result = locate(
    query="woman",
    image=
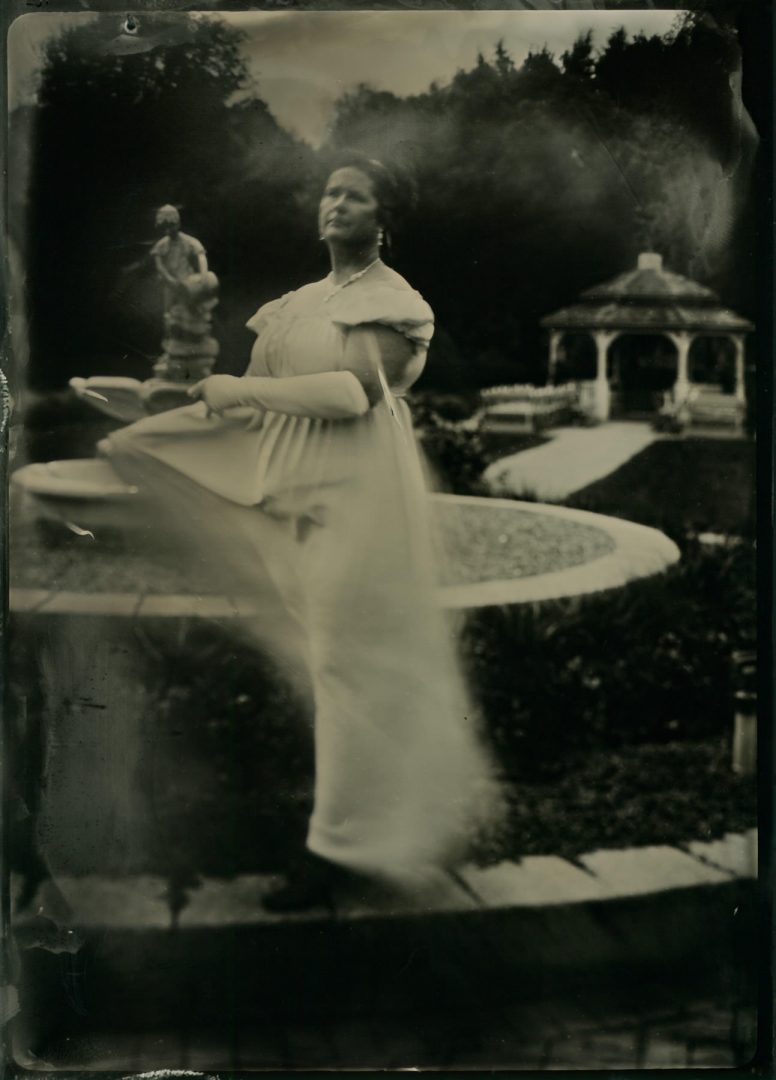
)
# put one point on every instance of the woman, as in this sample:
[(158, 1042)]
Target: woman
[(302, 481)]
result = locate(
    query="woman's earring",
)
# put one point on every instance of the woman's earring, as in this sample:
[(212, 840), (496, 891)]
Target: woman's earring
[(380, 236)]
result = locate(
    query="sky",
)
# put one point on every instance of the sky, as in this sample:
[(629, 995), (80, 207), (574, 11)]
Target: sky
[(302, 61)]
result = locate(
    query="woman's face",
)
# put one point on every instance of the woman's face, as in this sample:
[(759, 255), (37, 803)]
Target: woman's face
[(349, 211)]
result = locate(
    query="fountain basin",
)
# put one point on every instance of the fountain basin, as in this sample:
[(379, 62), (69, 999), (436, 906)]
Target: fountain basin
[(493, 551)]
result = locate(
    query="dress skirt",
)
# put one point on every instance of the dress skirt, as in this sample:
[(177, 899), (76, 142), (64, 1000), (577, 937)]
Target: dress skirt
[(338, 558)]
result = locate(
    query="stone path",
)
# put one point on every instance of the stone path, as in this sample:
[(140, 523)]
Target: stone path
[(536, 881), (573, 458), (537, 964)]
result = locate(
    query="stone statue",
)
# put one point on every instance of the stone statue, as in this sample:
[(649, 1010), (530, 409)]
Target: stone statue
[(190, 293)]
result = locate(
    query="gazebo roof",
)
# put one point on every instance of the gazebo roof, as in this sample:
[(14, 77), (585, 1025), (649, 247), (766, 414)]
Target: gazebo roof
[(650, 299)]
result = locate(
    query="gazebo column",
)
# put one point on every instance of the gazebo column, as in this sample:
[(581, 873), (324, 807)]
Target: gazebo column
[(683, 341), (602, 397), (556, 336), (738, 342)]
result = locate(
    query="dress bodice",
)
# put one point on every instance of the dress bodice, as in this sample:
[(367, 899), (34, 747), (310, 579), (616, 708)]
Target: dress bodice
[(304, 331), (286, 459)]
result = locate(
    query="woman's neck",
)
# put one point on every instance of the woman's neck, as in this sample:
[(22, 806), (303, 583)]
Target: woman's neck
[(347, 261)]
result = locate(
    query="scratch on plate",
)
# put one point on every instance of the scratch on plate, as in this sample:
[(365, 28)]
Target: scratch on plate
[(93, 393), (78, 530)]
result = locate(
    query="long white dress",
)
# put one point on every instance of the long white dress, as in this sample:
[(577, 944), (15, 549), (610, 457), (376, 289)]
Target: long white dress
[(327, 523)]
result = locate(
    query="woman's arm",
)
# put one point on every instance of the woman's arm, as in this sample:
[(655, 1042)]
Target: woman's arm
[(329, 395), (373, 347)]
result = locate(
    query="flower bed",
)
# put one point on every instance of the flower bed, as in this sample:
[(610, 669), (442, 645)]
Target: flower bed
[(525, 407), (527, 393)]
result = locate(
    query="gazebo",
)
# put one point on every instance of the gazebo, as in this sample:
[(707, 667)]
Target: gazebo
[(656, 318)]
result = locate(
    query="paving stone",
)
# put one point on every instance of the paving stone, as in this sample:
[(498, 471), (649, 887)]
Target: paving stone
[(179, 606), (536, 881), (434, 891), (734, 852), (636, 871), (237, 902), (137, 902), (597, 1050), (570, 1052), (663, 1053), (23, 600), (709, 1024), (537, 1020), (117, 1052), (618, 1048), (84, 603), (707, 1056), (242, 607)]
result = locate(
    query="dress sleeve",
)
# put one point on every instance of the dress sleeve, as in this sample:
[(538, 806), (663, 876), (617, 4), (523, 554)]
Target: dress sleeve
[(258, 321), (403, 310)]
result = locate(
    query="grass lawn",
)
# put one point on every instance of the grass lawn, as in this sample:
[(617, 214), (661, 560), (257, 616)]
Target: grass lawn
[(498, 445), (681, 485)]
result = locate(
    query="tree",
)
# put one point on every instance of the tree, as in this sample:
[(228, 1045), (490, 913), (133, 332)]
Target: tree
[(578, 61), (538, 182), (116, 133), (503, 62)]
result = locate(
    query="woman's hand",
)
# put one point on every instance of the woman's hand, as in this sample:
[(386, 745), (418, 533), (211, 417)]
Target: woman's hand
[(218, 392), (223, 394)]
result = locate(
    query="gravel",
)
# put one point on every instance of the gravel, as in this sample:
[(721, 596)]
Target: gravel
[(496, 543)]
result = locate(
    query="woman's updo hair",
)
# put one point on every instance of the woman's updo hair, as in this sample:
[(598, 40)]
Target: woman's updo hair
[(393, 190)]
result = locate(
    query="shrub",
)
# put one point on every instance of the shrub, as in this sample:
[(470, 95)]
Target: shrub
[(646, 663), (456, 454)]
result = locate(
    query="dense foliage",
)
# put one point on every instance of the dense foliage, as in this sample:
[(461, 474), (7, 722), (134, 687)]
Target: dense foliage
[(534, 182), (114, 135), (649, 663)]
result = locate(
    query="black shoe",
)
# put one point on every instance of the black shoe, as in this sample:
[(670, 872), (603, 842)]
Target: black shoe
[(309, 885)]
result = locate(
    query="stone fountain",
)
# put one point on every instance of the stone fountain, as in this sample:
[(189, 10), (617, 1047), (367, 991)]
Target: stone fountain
[(189, 350)]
